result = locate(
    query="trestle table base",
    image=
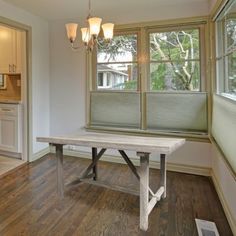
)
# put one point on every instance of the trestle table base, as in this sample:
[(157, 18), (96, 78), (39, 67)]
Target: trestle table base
[(148, 198)]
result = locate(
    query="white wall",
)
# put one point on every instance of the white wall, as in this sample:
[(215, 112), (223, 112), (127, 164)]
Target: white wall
[(40, 69), (211, 4), (118, 13), (226, 186), (68, 83)]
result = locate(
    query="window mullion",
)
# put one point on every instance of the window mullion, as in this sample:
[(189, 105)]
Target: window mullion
[(143, 77)]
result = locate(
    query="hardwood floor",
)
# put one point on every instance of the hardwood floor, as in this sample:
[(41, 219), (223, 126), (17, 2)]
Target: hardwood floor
[(29, 204), (8, 164)]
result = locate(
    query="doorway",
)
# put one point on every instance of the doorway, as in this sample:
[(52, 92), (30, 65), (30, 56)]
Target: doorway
[(19, 78)]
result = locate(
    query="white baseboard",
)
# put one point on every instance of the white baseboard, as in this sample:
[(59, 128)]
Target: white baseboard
[(11, 154), (40, 154), (153, 164), (229, 216)]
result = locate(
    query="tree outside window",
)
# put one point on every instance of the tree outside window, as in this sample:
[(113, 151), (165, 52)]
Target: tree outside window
[(175, 60)]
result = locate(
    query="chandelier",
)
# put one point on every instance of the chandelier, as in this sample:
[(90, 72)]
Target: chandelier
[(89, 33)]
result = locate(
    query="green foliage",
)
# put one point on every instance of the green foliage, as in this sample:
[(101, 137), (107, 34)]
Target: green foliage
[(178, 51), (118, 46), (130, 85)]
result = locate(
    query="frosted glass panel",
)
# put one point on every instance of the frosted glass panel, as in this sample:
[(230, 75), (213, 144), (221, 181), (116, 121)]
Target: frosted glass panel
[(224, 127), (115, 109), (177, 111)]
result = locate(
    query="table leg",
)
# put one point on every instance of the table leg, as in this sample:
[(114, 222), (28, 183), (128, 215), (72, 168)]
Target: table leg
[(60, 181), (163, 173), (94, 155), (144, 191)]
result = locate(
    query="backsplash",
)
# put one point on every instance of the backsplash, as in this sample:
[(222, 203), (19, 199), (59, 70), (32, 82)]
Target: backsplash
[(13, 88)]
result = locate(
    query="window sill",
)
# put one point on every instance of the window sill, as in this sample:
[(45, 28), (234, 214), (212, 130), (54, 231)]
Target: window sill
[(189, 136), (228, 96)]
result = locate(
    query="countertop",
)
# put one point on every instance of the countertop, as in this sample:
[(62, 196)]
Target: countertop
[(10, 101)]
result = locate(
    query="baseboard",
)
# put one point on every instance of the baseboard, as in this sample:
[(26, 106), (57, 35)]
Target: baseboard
[(229, 216), (11, 154), (153, 164), (40, 154)]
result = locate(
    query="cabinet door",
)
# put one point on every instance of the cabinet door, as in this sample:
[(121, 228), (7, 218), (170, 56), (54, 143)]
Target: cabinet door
[(8, 133), (18, 52), (7, 49)]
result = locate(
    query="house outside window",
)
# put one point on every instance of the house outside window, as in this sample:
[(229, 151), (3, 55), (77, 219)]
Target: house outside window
[(118, 59), (100, 79)]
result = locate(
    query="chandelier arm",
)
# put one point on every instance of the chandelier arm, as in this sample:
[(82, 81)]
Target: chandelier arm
[(75, 48), (89, 33)]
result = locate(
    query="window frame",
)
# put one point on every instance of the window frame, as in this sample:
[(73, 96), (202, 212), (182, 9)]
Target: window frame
[(143, 54), (201, 60), (222, 53)]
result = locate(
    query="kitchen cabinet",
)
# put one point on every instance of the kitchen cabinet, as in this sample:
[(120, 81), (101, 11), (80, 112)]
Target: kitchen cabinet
[(10, 128), (10, 48)]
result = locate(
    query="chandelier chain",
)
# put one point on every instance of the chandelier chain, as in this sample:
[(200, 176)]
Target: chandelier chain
[(89, 13)]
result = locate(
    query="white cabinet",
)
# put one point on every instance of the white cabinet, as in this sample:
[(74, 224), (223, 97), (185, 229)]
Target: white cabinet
[(10, 128), (10, 48)]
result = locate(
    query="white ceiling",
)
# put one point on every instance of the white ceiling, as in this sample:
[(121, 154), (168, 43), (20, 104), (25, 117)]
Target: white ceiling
[(71, 9)]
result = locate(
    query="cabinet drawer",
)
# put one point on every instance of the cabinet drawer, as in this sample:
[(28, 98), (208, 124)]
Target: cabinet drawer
[(8, 111)]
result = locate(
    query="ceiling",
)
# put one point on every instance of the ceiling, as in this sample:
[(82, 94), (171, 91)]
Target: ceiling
[(71, 9)]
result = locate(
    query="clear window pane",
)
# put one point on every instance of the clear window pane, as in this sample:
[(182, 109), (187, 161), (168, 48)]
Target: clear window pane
[(174, 45), (100, 79), (231, 34), (175, 76), (232, 73), (118, 76), (122, 48)]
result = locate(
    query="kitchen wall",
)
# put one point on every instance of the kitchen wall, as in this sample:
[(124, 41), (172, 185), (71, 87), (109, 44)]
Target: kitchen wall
[(40, 69), (13, 88)]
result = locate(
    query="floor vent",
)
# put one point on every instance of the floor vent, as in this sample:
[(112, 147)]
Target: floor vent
[(206, 228)]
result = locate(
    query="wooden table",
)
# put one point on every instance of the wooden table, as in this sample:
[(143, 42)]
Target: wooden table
[(143, 146)]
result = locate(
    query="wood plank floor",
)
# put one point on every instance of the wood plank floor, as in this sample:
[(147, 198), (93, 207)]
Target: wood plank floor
[(8, 164), (29, 204)]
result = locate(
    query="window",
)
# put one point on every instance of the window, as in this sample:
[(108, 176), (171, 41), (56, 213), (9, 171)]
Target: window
[(118, 59), (175, 60), (226, 51), (153, 79)]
